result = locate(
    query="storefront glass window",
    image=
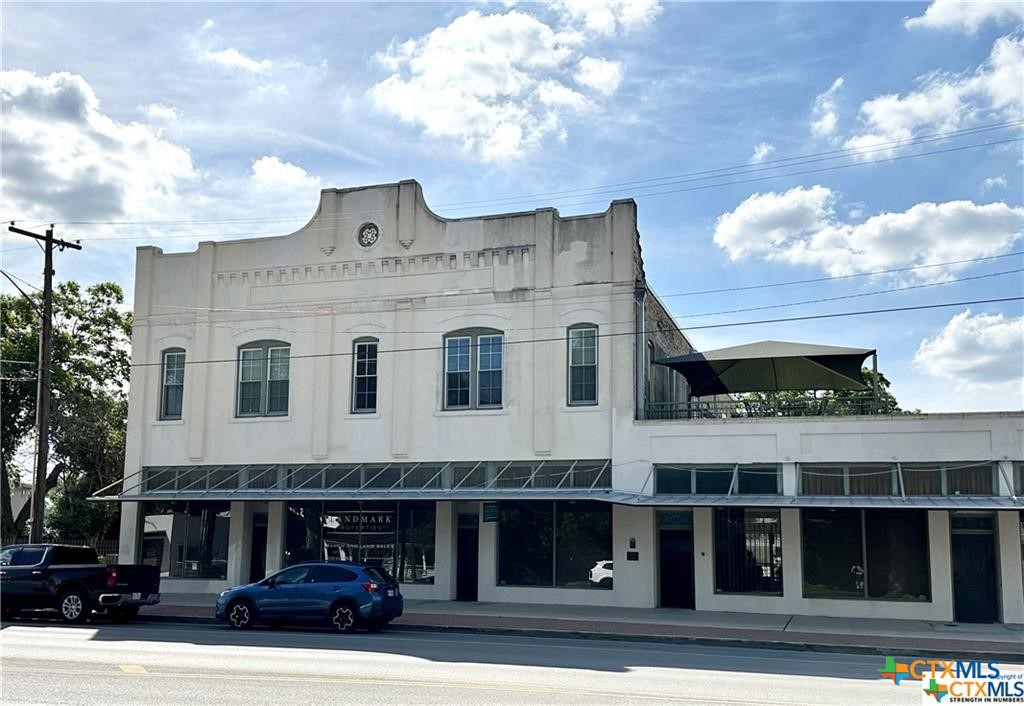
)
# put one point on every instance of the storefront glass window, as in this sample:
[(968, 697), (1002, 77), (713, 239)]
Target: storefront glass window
[(748, 551), (563, 543), (187, 540), (398, 536), (865, 554)]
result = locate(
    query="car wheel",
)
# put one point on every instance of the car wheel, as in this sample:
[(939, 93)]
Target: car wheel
[(240, 615), (124, 613), (343, 618), (73, 606)]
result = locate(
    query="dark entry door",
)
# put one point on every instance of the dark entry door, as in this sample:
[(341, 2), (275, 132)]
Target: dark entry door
[(974, 578), (467, 563), (676, 558)]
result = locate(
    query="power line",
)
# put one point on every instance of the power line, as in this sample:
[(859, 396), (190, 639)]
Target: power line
[(736, 170), (838, 277), (560, 339)]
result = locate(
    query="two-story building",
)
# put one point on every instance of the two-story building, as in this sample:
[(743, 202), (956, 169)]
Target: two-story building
[(477, 404)]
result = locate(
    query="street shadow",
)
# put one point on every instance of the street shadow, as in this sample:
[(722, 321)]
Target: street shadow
[(453, 646)]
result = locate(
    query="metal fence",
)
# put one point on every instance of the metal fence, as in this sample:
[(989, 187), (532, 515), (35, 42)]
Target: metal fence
[(733, 409)]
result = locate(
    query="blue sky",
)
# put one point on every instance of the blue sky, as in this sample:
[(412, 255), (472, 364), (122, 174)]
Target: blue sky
[(166, 124)]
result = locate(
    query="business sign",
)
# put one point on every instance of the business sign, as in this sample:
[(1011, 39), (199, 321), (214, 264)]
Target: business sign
[(490, 512), (361, 521)]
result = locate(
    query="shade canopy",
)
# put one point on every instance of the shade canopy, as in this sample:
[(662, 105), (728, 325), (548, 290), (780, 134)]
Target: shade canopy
[(771, 366)]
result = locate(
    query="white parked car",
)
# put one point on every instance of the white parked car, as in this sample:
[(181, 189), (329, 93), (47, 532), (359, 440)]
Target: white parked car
[(601, 573)]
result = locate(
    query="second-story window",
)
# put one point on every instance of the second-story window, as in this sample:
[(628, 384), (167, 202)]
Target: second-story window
[(583, 365), (263, 375), (473, 369), (172, 386), (364, 377)]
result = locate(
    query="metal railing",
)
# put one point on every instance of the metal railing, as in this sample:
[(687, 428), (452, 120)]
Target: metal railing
[(745, 409)]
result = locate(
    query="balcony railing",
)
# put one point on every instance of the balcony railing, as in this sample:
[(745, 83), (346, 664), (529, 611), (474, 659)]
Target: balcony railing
[(745, 409)]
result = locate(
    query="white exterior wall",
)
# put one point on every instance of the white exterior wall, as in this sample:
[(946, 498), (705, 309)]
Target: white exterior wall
[(530, 275)]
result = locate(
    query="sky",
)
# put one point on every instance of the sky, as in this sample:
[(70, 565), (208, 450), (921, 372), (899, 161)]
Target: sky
[(872, 148)]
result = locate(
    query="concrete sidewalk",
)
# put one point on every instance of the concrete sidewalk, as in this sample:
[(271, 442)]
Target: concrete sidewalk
[(916, 638)]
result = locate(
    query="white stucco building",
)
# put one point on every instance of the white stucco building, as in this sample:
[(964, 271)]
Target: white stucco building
[(467, 402)]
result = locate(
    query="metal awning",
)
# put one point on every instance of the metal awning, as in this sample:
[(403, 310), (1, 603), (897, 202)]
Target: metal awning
[(770, 366), (919, 502)]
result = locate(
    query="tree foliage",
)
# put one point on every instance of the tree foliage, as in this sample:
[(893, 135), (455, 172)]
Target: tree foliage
[(828, 402), (89, 372)]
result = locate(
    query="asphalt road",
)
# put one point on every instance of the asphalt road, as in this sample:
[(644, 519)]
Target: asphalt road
[(47, 663)]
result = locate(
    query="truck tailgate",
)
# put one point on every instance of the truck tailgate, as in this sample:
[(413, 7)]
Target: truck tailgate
[(137, 578)]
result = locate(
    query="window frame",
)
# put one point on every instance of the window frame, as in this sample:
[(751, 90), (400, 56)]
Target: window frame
[(354, 407), (266, 348), (475, 354), (582, 328), (711, 470), (163, 416), (718, 541)]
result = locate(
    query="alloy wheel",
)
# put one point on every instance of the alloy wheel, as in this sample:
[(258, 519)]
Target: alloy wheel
[(343, 618), (240, 616)]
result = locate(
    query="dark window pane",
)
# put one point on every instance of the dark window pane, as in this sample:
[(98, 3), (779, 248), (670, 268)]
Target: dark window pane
[(458, 390), (187, 540), (490, 388), (583, 384), (583, 542), (922, 481), (833, 563), (277, 399), (29, 556), (303, 533), (361, 531), (672, 481), (249, 397), (821, 480), (415, 558), (525, 551), (713, 481), (748, 551), (897, 554), (871, 480), (974, 480), (172, 401), (332, 574), (758, 481)]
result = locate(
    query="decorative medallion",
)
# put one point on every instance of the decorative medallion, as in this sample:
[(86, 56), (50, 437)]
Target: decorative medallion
[(368, 234)]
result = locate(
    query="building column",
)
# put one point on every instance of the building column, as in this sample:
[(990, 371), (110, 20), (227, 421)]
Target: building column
[(635, 582), (703, 558), (445, 550), (792, 560), (487, 558), (239, 543), (790, 479), (128, 540), (1011, 581), (941, 562), (277, 521)]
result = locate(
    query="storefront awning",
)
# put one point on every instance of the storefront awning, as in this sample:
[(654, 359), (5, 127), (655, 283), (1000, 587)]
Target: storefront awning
[(770, 366)]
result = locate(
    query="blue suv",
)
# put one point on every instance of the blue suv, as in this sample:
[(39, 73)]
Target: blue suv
[(343, 595)]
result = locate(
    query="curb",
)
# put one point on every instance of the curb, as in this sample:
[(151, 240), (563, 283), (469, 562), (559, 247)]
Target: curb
[(879, 650)]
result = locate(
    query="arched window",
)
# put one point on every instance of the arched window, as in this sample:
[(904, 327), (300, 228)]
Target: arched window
[(172, 383), (473, 367), (582, 379), (364, 375), (263, 374)]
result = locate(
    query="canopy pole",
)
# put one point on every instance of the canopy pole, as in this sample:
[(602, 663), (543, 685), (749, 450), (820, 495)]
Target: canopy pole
[(874, 380)]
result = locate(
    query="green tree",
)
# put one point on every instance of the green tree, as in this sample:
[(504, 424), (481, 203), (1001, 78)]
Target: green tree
[(827, 402), (90, 368)]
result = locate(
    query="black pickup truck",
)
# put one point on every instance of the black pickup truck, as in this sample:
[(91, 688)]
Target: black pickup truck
[(73, 581)]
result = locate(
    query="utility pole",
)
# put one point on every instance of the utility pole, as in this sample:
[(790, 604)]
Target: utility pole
[(43, 378)]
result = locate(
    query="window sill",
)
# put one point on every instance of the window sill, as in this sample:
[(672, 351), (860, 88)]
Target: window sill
[(260, 419), (168, 422), (486, 412), (361, 415), (582, 408)]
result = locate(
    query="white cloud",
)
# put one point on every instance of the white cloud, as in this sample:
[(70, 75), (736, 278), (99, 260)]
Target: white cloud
[(976, 350), (823, 114), (498, 84), (64, 159), (271, 174), (967, 16), (761, 152), (995, 92), (996, 182), (800, 227), (602, 75), (606, 17), (233, 59), (162, 113), (207, 25)]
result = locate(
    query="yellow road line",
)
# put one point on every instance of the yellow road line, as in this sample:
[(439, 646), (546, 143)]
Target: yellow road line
[(133, 669)]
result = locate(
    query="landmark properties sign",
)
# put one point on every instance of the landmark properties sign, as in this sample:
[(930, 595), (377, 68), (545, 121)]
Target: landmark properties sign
[(362, 521)]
